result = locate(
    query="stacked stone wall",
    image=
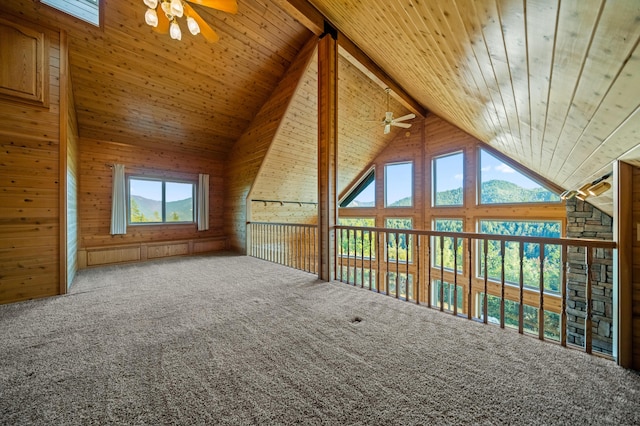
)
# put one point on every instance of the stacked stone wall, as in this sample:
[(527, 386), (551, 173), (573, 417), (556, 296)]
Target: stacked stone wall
[(586, 221)]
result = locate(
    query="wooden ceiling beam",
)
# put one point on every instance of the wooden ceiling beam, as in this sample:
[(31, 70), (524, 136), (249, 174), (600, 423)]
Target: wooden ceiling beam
[(311, 18)]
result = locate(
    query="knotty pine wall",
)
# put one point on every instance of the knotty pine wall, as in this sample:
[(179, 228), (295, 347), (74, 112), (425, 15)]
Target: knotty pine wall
[(97, 246), (29, 179), (245, 160)]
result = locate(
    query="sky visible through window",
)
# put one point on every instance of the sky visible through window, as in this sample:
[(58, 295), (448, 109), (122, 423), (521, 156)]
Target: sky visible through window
[(398, 182), (494, 169), (152, 190)]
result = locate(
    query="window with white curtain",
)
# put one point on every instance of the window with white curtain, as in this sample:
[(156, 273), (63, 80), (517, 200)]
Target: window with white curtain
[(154, 201)]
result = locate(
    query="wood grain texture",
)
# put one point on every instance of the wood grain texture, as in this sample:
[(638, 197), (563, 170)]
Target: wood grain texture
[(635, 273), (29, 188), (135, 86), (553, 85), (248, 154), (94, 207)]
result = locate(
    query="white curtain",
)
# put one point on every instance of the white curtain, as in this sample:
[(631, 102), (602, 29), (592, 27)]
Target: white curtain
[(203, 202), (118, 201)]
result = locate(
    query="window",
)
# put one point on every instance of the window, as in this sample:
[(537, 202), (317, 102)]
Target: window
[(448, 178), (512, 315), (501, 184), (398, 185), (356, 243), (450, 293), (531, 253), (87, 10), (403, 286), (160, 201), (399, 244), (446, 257), (363, 194)]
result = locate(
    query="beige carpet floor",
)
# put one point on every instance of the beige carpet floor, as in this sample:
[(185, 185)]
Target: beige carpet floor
[(236, 340)]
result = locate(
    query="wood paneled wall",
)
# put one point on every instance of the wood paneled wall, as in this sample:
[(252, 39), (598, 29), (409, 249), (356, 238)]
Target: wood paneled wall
[(29, 180), (95, 200), (249, 151), (636, 267)]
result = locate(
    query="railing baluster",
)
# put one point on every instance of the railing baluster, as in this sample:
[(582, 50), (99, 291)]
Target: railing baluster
[(362, 259), (396, 239), (563, 314), (502, 284), (485, 308), (370, 258), (428, 266), (455, 276), (521, 295), (441, 273), (541, 308), (588, 307), (418, 262), (469, 290)]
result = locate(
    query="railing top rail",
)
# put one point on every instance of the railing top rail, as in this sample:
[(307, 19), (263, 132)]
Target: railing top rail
[(302, 225), (493, 237)]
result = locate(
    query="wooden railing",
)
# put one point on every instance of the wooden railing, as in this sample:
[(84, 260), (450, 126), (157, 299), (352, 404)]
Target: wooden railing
[(556, 289), (550, 296), (293, 245)]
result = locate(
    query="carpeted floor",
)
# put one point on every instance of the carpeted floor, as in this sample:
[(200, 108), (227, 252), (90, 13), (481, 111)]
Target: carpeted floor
[(236, 340)]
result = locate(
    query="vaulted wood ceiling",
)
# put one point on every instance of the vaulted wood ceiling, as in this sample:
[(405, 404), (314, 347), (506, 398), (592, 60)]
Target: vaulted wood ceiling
[(554, 85)]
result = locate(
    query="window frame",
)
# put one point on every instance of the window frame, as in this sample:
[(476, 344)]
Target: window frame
[(410, 240), (413, 195), (461, 265), (518, 169), (99, 4), (363, 183), (164, 181), (478, 259), (434, 179)]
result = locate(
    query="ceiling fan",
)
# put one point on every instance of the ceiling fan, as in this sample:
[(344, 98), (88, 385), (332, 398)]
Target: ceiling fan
[(389, 121), (162, 16)]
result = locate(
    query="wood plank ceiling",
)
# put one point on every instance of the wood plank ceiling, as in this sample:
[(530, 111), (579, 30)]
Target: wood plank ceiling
[(135, 86), (554, 85)]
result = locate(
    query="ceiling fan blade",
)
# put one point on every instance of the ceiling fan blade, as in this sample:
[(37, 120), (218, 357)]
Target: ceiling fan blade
[(163, 22), (387, 128), (403, 125), (230, 6), (206, 31), (405, 117)]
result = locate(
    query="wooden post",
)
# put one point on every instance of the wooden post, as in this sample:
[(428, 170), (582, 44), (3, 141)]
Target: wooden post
[(327, 152), (624, 236)]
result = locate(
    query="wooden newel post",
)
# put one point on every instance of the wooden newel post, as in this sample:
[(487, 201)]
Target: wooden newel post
[(327, 152)]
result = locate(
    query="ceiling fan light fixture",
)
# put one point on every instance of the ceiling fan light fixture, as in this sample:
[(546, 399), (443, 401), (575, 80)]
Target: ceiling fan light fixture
[(583, 189), (174, 31), (151, 4), (194, 28), (151, 17), (599, 188), (176, 8)]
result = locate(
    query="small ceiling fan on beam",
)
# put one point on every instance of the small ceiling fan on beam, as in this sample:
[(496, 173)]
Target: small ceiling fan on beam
[(389, 121), (163, 16)]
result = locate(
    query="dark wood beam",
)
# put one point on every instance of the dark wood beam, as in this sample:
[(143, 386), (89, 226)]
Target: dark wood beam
[(327, 155)]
